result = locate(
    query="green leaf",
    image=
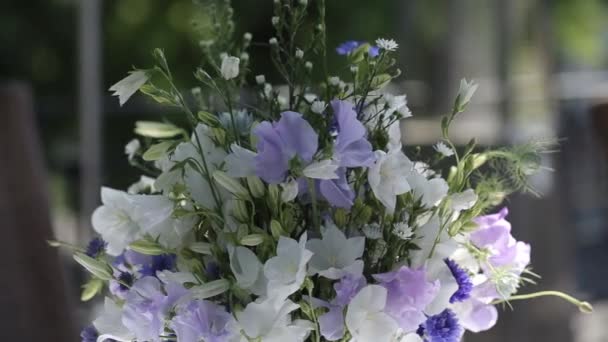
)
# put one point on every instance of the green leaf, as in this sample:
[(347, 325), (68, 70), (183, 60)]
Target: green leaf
[(96, 267), (358, 55), (252, 240), (147, 247), (158, 151), (208, 119), (92, 288), (210, 289), (200, 248), (232, 185), (157, 130), (380, 81)]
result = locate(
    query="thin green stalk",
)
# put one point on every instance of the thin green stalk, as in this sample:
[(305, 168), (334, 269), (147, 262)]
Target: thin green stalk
[(584, 307), (313, 196)]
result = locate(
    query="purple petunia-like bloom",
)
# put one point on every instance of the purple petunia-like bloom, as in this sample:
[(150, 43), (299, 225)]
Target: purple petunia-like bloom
[(280, 142), (408, 294), (465, 286), (349, 46), (351, 149), (443, 327), (494, 234), (202, 320), (147, 305)]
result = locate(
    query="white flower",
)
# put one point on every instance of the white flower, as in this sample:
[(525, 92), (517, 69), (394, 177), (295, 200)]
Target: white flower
[(145, 184), (114, 220), (365, 317), (248, 270), (430, 191), (299, 54), (131, 148), (394, 137), (387, 44), (196, 183), (354, 69), (109, 324), (411, 337), (274, 21), (308, 65), (269, 320), (397, 104), (240, 163), (244, 56), (267, 89), (324, 169), (273, 41), (154, 214), (372, 231), (335, 255), (334, 81), (403, 231), (260, 79), (290, 190), (466, 91), (388, 177), (230, 67), (247, 36), (430, 236), (286, 271), (129, 85), (441, 273), (318, 107), (303, 2), (463, 200), (442, 148)]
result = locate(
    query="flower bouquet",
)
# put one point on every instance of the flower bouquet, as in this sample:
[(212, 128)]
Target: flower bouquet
[(293, 213)]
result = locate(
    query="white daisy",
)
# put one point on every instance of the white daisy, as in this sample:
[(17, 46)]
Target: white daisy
[(442, 148), (387, 44)]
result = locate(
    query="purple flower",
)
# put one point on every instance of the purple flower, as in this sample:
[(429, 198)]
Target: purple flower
[(331, 323), (280, 142), (201, 320), (347, 288), (443, 327), (349, 46), (494, 235), (351, 149), (95, 247), (89, 334), (147, 305), (408, 295), (157, 263), (465, 286), (120, 288)]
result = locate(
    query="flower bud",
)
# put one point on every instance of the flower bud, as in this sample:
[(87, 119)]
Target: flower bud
[(252, 240), (260, 79), (299, 54), (256, 186), (230, 67), (241, 212), (147, 247)]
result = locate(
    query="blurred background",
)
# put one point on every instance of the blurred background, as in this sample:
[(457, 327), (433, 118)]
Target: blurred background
[(543, 73)]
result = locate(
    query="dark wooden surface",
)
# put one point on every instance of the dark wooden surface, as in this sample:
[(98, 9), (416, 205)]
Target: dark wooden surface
[(33, 300)]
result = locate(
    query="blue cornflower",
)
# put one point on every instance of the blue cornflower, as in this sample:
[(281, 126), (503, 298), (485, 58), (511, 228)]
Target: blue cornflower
[(159, 263), (465, 286), (349, 46), (443, 327), (89, 334), (126, 280), (95, 247)]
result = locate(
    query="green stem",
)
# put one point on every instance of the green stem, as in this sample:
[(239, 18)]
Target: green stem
[(584, 307), (315, 210)]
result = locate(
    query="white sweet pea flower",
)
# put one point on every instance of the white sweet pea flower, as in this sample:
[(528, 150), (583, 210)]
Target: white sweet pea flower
[(388, 177), (323, 169), (115, 220), (290, 190), (230, 67), (466, 91), (365, 317), (335, 255), (269, 320), (129, 85), (248, 270), (109, 324), (442, 148), (131, 148), (286, 271), (240, 163)]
